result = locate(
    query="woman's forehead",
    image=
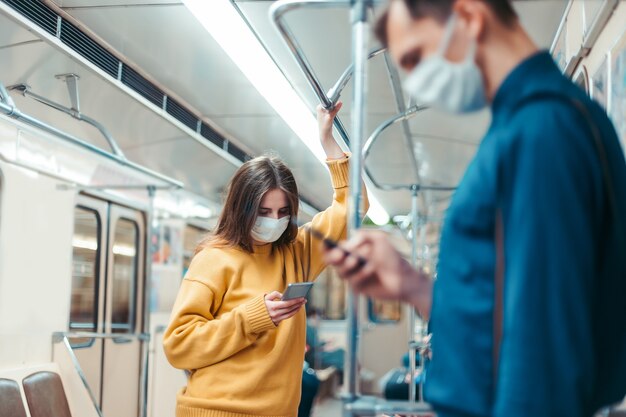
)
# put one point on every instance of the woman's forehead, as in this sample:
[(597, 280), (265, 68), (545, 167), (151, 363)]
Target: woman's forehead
[(275, 198)]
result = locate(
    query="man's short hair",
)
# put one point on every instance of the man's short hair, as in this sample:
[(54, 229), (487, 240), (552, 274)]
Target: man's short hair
[(441, 10)]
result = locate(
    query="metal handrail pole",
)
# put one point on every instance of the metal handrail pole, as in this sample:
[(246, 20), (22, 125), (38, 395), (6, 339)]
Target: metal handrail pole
[(342, 131), (105, 132), (60, 337), (15, 113), (25, 90), (424, 328), (146, 306), (335, 91), (277, 11), (412, 350), (401, 107), (360, 32), (410, 112), (143, 337), (6, 97)]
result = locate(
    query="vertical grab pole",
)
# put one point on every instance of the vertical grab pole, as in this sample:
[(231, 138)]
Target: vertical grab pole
[(412, 341), (424, 324), (360, 32), (146, 306)]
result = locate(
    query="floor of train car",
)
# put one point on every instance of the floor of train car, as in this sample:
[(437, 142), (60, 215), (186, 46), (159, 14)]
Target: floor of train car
[(327, 407)]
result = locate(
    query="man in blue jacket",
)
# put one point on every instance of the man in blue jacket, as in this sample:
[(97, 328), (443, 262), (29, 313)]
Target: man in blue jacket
[(529, 307)]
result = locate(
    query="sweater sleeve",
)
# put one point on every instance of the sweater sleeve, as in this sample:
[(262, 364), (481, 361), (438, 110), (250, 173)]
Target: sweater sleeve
[(331, 222), (195, 337), (552, 187)]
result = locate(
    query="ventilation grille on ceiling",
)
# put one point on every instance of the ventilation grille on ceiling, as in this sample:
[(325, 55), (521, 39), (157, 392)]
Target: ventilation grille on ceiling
[(181, 113), (145, 88), (37, 12), (207, 132), (237, 152), (88, 48)]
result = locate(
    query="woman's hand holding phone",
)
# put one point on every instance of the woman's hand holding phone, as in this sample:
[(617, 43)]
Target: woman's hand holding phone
[(282, 310)]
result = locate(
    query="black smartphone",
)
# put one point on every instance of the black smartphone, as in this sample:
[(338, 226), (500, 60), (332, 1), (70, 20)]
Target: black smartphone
[(331, 244)]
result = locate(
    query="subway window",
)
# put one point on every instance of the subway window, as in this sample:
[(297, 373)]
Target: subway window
[(192, 236), (384, 311), (328, 296), (85, 267), (124, 277)]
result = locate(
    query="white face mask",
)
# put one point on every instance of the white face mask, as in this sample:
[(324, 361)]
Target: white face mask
[(448, 86), (268, 230)]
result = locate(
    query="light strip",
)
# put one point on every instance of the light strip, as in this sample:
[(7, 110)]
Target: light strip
[(228, 29), (92, 244)]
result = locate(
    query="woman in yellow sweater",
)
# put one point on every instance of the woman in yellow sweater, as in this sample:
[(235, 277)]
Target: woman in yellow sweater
[(243, 346)]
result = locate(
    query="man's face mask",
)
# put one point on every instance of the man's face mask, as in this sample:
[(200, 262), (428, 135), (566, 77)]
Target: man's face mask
[(448, 86), (268, 230)]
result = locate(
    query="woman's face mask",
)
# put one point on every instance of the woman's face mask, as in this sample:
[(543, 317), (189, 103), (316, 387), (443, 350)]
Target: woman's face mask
[(448, 86), (268, 230)]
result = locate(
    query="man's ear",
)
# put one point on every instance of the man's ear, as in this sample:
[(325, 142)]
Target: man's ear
[(474, 15)]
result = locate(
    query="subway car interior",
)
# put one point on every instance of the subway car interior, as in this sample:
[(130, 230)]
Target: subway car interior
[(121, 124)]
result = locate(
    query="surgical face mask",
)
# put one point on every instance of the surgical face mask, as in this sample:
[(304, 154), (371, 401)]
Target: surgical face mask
[(268, 230), (448, 86)]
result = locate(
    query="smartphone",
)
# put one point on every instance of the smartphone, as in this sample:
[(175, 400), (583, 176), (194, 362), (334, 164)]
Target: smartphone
[(297, 290), (331, 244)]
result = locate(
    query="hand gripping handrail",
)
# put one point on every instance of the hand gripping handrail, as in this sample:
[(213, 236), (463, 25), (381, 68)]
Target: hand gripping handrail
[(327, 100), (335, 91)]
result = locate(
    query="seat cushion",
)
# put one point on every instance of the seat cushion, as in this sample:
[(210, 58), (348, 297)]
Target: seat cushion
[(11, 404), (45, 395)]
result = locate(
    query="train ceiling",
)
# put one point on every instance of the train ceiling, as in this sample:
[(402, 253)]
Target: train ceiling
[(165, 41)]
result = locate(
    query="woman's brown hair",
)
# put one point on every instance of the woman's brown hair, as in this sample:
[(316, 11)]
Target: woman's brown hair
[(243, 198)]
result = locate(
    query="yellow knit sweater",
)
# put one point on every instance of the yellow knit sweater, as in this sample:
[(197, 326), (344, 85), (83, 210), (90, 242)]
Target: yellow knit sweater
[(241, 363)]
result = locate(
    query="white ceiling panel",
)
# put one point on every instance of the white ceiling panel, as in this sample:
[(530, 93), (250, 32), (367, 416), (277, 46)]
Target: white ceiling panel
[(187, 161), (11, 36)]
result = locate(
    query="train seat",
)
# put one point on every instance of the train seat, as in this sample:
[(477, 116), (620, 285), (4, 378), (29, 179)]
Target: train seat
[(45, 395), (12, 404)]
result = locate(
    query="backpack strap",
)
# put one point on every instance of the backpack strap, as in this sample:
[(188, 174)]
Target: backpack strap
[(498, 305)]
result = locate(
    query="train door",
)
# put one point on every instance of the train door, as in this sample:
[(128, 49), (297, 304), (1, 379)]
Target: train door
[(87, 300), (107, 288), (121, 362)]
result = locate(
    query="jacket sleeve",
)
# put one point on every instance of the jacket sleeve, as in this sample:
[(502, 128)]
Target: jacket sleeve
[(552, 208), (331, 222), (195, 337)]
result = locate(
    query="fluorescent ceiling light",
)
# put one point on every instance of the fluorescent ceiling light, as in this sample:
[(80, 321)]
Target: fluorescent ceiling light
[(229, 30)]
